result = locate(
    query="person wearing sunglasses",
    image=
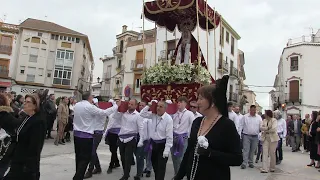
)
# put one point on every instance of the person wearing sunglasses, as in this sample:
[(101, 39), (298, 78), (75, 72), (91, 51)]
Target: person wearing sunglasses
[(194, 109)]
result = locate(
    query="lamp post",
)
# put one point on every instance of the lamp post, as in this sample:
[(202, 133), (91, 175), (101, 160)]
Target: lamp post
[(98, 79)]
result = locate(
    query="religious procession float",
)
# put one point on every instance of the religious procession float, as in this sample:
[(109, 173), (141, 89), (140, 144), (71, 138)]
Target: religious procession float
[(187, 70)]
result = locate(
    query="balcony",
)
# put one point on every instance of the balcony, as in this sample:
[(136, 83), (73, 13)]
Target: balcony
[(223, 66), (107, 76), (4, 73), (303, 40), (234, 72), (135, 66), (233, 97), (120, 68), (4, 49), (294, 68), (117, 51), (293, 98)]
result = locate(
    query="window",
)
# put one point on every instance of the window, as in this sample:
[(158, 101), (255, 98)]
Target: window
[(66, 45), (227, 36), (31, 74), (77, 40), (4, 70), (171, 46), (72, 39), (22, 69), (121, 47), (27, 40), (33, 54), (35, 40), (69, 38), (62, 76), (40, 71), (84, 45), (49, 73), (232, 45), (65, 38), (57, 37), (53, 36), (222, 37), (137, 83), (65, 58), (139, 59), (294, 64), (25, 49), (39, 34), (61, 37), (6, 44)]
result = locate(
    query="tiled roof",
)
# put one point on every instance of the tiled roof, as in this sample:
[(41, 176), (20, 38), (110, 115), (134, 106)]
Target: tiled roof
[(47, 26)]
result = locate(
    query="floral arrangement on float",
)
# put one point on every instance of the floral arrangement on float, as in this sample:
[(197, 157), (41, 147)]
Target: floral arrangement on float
[(163, 74), (164, 81)]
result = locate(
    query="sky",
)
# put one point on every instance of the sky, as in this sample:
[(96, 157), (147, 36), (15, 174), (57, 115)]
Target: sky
[(264, 26)]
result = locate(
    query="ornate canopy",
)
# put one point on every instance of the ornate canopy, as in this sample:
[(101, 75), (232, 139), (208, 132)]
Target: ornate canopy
[(172, 13)]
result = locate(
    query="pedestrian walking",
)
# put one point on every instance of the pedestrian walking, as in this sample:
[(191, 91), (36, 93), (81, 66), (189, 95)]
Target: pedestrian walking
[(294, 130), (282, 133), (62, 119)]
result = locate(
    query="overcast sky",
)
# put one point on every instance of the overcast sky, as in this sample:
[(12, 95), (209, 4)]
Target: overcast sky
[(264, 25)]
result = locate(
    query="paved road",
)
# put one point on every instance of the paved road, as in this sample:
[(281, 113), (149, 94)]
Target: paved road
[(58, 163)]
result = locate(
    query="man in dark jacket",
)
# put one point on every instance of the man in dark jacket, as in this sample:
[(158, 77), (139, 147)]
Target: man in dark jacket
[(294, 131), (51, 113)]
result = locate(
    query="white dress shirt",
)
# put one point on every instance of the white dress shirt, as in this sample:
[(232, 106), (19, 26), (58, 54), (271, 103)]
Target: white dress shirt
[(237, 122), (99, 122), (146, 129), (196, 115), (282, 127), (161, 127), (113, 122), (84, 113), (182, 121), (250, 125), (131, 123)]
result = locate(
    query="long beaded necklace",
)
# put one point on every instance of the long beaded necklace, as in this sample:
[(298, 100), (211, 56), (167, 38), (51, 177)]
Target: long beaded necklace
[(196, 155)]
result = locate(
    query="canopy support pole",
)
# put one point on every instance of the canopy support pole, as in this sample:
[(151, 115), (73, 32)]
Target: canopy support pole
[(215, 46), (143, 50), (198, 35), (155, 43), (207, 34)]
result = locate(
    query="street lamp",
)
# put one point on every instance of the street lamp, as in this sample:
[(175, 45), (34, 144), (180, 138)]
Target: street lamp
[(98, 79)]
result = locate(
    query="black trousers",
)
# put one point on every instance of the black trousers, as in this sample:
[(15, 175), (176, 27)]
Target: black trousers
[(83, 150), (113, 147), (305, 142), (159, 163), (95, 163), (18, 172), (279, 152), (50, 122), (126, 153)]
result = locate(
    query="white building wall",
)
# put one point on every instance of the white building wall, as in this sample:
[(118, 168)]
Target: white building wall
[(105, 87), (308, 70)]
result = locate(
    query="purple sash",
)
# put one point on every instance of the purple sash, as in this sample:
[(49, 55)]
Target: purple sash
[(113, 131), (98, 132), (178, 143), (81, 134)]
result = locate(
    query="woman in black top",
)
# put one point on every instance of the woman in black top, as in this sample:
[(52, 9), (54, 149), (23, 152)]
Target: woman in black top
[(30, 134), (314, 156), (223, 148)]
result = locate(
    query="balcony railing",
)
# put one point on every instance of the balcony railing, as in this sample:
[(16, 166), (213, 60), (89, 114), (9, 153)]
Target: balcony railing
[(4, 49), (135, 65), (233, 97), (4, 73), (291, 97), (223, 65), (303, 39), (107, 76), (234, 72)]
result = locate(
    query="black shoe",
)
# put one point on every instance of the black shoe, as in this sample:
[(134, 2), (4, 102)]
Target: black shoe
[(251, 166), (133, 163), (243, 166), (68, 140), (136, 178), (96, 171), (278, 162), (60, 142), (87, 175), (109, 171), (257, 160), (63, 141), (148, 173), (50, 137), (116, 165)]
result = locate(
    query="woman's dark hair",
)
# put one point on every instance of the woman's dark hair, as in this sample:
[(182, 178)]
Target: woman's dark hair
[(263, 116), (4, 100), (314, 115), (216, 94), (18, 98), (269, 113)]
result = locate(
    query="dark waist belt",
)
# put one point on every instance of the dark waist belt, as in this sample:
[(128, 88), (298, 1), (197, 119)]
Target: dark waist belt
[(250, 135)]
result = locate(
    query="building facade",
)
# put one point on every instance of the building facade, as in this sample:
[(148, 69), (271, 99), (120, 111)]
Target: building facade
[(295, 87), (222, 61), (125, 67), (8, 43), (50, 56), (250, 99)]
